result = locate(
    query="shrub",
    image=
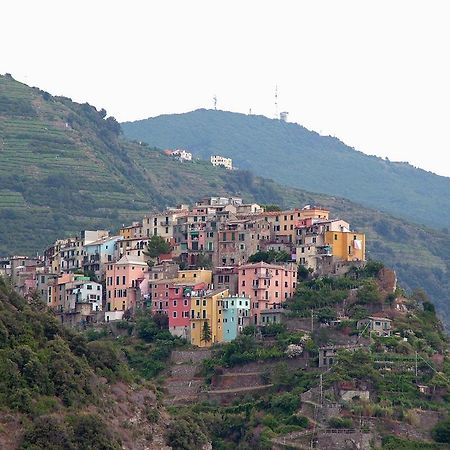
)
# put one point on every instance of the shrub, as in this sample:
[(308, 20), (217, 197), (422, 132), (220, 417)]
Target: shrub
[(286, 403), (441, 432), (340, 422), (185, 434)]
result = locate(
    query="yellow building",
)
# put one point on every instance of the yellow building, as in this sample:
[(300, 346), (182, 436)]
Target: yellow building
[(348, 246), (283, 223), (195, 276), (208, 309), (131, 232), (314, 212)]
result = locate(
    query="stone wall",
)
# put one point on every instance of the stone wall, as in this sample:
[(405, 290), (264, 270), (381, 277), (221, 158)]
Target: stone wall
[(343, 440)]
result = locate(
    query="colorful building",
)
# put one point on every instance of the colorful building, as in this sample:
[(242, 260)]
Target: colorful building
[(236, 316), (347, 245), (207, 308), (122, 280), (179, 309), (98, 254), (267, 285)]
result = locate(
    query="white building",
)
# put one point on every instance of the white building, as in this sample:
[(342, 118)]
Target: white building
[(217, 160), (88, 292), (182, 155)]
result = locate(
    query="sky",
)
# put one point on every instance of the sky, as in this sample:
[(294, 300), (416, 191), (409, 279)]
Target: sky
[(375, 74)]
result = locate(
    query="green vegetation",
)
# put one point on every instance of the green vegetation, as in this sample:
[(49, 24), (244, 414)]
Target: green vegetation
[(270, 257), (206, 332), (51, 375), (396, 443), (157, 246), (441, 432), (66, 169), (77, 432), (282, 151)]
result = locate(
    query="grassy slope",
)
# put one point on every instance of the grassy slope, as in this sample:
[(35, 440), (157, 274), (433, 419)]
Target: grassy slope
[(316, 163), (99, 180)]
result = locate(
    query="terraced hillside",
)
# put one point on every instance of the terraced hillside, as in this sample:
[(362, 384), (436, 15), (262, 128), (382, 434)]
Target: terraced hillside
[(65, 167)]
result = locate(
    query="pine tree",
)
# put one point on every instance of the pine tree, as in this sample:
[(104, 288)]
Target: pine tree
[(206, 332)]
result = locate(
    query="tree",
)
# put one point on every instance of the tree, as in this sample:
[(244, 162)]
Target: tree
[(302, 273), (326, 315), (206, 332), (270, 256), (157, 246), (441, 432), (203, 261), (271, 208)]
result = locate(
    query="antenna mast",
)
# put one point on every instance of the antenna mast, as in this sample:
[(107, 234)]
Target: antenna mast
[(276, 101), (215, 101)]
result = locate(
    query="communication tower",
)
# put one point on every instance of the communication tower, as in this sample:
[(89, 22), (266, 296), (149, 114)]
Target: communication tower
[(276, 101)]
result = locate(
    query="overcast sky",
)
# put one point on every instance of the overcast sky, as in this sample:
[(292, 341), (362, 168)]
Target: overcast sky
[(375, 74)]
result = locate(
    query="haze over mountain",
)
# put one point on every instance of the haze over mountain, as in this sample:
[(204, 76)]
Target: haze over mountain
[(64, 167), (293, 155)]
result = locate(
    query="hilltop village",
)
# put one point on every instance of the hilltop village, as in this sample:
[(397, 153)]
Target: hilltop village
[(212, 268), (250, 315)]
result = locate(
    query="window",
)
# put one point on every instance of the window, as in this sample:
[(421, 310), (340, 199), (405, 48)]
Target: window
[(175, 303), (174, 314), (89, 287), (243, 283), (335, 237)]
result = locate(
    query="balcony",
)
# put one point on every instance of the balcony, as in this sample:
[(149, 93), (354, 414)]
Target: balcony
[(91, 259), (198, 317), (326, 250), (266, 275)]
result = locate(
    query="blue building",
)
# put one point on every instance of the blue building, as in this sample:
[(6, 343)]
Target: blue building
[(236, 316), (99, 253)]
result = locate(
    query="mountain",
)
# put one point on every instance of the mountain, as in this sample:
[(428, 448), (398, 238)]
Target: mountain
[(64, 167), (295, 156)]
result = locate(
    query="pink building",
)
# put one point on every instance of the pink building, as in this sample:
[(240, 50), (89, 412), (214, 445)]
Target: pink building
[(122, 281), (267, 285), (160, 295), (180, 307), (173, 298)]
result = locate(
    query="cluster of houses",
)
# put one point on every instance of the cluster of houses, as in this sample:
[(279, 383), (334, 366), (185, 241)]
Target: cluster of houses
[(206, 285), (186, 156)]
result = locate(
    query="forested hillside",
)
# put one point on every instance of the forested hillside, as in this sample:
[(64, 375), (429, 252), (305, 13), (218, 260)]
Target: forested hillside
[(295, 156), (64, 167)]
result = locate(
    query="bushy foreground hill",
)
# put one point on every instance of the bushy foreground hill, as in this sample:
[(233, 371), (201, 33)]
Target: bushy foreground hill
[(60, 389), (115, 387), (64, 167), (295, 156)]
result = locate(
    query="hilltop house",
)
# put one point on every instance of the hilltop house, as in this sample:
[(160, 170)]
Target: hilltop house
[(217, 160)]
